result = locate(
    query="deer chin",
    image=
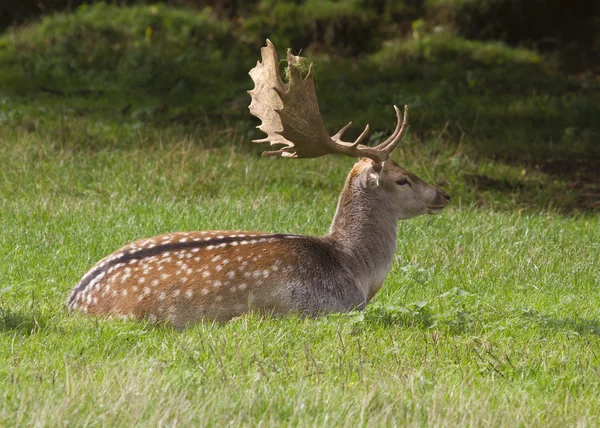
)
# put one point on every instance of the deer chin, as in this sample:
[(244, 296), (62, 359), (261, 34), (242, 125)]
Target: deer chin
[(433, 210)]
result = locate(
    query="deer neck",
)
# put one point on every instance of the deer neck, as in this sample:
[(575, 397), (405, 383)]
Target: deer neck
[(364, 229)]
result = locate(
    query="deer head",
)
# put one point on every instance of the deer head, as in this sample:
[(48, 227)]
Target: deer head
[(406, 194), (291, 118)]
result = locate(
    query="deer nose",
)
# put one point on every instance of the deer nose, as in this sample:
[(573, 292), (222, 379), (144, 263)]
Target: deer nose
[(445, 195)]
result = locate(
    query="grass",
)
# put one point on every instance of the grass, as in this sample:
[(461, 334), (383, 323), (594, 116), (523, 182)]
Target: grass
[(489, 315)]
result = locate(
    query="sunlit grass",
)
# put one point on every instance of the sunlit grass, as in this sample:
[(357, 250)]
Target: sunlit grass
[(488, 316)]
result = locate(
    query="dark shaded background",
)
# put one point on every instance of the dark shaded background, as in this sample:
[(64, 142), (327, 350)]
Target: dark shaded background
[(570, 29)]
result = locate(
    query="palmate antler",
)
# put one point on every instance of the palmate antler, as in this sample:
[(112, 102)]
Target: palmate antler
[(290, 114)]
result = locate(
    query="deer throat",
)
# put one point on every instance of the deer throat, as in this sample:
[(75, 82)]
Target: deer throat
[(364, 231)]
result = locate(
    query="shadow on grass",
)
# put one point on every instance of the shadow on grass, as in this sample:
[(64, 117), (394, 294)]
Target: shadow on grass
[(581, 176), (579, 326), (568, 194), (20, 322), (460, 320)]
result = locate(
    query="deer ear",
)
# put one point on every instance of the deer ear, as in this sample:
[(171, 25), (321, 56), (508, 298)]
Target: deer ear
[(372, 179), (374, 175)]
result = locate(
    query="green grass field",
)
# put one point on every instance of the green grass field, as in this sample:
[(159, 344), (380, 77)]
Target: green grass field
[(489, 317)]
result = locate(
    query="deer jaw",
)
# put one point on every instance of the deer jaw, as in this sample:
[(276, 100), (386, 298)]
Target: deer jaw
[(375, 197)]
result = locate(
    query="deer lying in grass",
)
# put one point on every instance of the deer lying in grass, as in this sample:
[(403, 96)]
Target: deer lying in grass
[(181, 278)]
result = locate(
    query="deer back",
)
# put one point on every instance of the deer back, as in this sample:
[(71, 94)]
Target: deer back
[(185, 277)]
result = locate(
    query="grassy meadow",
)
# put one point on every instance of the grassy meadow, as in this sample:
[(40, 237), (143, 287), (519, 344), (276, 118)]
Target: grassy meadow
[(489, 317)]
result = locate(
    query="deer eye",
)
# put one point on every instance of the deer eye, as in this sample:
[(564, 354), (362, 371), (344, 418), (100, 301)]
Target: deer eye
[(402, 182)]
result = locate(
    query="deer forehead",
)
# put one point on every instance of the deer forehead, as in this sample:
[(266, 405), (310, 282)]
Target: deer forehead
[(392, 171), (387, 170)]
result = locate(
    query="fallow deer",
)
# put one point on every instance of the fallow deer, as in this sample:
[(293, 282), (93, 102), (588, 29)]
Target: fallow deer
[(182, 278)]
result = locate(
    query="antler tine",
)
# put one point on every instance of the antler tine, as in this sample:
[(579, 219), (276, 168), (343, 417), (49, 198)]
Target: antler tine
[(378, 153), (401, 126), (337, 138), (385, 143), (280, 152), (338, 135), (361, 136)]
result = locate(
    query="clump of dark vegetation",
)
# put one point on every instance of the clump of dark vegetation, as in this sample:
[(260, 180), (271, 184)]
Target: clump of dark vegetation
[(163, 55), (345, 26), (569, 29)]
